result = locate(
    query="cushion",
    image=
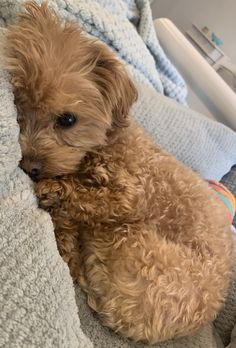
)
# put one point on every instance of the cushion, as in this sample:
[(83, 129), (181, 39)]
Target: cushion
[(207, 146)]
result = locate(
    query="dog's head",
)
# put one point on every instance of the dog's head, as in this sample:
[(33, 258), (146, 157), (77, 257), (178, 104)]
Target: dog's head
[(69, 91)]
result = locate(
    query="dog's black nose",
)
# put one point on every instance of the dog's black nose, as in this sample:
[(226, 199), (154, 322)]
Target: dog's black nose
[(31, 167), (35, 172)]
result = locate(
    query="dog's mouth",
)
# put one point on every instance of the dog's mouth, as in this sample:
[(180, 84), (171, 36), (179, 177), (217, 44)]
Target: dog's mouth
[(34, 176), (44, 177), (37, 174), (38, 178)]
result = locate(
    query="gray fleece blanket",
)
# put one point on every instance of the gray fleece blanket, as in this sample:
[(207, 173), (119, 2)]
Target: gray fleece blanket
[(39, 306)]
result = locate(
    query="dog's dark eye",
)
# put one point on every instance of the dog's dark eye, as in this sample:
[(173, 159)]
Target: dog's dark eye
[(66, 120)]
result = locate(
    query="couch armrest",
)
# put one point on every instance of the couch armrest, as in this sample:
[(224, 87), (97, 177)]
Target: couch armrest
[(199, 75)]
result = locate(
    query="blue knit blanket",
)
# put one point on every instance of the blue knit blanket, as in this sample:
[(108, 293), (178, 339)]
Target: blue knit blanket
[(127, 27)]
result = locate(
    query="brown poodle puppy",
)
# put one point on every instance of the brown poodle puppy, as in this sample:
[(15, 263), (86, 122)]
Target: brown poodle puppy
[(145, 237)]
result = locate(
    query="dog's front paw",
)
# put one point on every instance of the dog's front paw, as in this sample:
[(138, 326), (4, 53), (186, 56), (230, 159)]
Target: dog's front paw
[(49, 193), (49, 201)]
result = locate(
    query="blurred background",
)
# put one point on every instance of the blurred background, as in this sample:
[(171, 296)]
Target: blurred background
[(209, 26)]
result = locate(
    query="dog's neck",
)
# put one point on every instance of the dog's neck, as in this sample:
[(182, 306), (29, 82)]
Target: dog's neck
[(117, 142)]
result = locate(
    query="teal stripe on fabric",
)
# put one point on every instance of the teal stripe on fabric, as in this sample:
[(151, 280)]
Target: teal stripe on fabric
[(227, 203)]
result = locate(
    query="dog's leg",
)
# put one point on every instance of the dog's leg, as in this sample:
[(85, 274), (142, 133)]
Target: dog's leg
[(52, 195)]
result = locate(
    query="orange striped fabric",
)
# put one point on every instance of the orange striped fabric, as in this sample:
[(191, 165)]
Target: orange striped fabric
[(226, 197)]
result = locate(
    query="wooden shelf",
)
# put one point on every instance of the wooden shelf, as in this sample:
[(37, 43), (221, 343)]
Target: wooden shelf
[(204, 45)]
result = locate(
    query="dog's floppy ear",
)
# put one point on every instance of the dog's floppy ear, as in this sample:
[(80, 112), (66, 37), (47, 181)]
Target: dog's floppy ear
[(114, 84)]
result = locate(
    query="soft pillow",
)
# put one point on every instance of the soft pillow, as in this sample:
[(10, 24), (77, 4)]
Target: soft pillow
[(206, 146)]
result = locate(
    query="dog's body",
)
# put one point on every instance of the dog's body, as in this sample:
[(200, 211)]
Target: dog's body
[(144, 236)]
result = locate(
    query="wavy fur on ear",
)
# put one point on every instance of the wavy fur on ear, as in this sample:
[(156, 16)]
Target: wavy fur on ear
[(115, 85)]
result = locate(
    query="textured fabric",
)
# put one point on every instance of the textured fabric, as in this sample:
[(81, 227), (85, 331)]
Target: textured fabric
[(37, 303), (226, 197), (206, 146), (127, 27)]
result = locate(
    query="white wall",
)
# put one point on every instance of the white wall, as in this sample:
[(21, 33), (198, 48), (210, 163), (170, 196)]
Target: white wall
[(218, 15)]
